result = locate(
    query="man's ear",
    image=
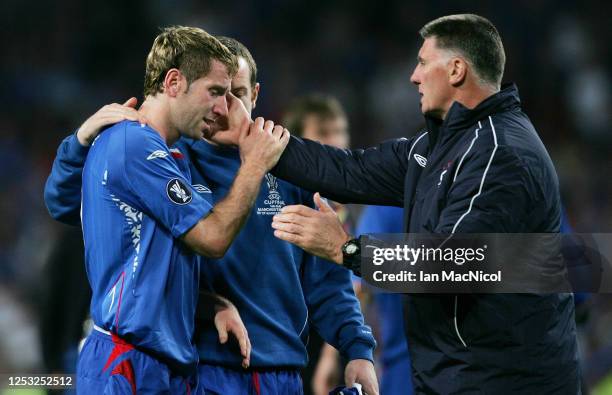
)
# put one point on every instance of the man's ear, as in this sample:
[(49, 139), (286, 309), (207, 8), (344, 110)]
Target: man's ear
[(457, 71), (174, 82), (255, 94)]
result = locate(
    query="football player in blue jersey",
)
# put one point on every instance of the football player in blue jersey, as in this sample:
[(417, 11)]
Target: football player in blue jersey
[(279, 290), (143, 221)]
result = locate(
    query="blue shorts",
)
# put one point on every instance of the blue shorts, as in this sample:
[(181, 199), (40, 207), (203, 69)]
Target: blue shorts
[(217, 380), (110, 366)]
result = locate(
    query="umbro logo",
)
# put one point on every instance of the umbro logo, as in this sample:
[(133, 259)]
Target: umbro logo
[(201, 188), (157, 154), (421, 160)]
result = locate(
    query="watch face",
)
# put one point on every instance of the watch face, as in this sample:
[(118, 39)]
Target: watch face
[(351, 249)]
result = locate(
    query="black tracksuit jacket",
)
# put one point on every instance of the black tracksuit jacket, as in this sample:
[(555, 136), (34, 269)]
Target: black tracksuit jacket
[(483, 170)]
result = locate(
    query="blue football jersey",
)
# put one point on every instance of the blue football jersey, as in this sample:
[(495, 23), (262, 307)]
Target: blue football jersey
[(137, 202)]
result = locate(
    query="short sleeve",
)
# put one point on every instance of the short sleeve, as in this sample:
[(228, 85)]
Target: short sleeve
[(153, 176)]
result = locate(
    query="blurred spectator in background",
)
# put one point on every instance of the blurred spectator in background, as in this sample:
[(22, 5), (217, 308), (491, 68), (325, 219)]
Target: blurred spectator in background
[(318, 117)]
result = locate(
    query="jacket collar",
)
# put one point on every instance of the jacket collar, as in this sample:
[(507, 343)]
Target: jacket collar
[(460, 117)]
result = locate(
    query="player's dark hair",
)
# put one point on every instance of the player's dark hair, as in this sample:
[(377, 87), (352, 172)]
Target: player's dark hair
[(475, 38), (323, 106), (239, 50)]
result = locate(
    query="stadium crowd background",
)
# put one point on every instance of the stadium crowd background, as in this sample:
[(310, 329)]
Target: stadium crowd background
[(62, 60)]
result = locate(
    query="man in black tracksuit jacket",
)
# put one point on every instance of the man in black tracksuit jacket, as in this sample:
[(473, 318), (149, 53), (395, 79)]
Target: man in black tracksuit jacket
[(479, 170)]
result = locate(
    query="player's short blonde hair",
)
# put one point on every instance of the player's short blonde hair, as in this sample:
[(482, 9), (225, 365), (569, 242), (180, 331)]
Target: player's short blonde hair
[(189, 49)]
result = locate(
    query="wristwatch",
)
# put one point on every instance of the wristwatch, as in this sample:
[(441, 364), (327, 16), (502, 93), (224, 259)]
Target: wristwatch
[(351, 256)]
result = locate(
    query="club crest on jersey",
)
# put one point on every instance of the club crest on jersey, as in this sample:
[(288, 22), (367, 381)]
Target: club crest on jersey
[(421, 160), (178, 192), (274, 203)]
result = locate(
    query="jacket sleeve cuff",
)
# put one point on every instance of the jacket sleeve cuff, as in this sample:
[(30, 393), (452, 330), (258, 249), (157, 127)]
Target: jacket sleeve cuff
[(74, 149), (360, 350)]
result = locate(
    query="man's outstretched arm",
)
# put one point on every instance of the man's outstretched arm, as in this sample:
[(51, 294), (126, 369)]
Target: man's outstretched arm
[(371, 176)]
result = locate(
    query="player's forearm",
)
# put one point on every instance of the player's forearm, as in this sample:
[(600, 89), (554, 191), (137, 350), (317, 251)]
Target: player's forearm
[(230, 214)]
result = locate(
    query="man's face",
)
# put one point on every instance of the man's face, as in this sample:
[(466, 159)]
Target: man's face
[(243, 90), (431, 76), (198, 107), (331, 131)]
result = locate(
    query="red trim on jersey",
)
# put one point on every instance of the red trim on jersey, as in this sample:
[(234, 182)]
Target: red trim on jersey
[(121, 346), (177, 154), (122, 278)]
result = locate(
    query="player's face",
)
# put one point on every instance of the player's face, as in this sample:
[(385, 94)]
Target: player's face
[(203, 102), (431, 76), (243, 90), (330, 131)]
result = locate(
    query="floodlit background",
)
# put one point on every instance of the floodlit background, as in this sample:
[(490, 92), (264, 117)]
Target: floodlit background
[(62, 60)]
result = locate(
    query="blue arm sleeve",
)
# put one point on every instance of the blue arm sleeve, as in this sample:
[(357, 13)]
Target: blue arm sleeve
[(63, 187), (334, 309), (158, 186)]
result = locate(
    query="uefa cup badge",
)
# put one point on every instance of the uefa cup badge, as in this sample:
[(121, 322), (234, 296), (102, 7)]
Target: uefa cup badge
[(272, 187), (274, 202)]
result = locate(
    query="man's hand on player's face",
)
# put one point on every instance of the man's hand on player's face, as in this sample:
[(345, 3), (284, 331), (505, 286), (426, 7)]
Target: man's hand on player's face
[(227, 129), (108, 115), (318, 232), (262, 144), (227, 320)]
